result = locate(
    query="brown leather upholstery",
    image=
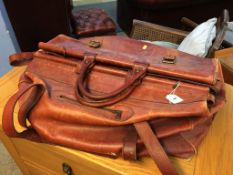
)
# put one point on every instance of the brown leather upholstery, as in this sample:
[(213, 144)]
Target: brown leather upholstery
[(168, 12), (92, 22)]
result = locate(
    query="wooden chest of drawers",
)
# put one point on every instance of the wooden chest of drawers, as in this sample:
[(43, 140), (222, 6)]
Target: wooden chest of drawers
[(214, 155), (226, 58)]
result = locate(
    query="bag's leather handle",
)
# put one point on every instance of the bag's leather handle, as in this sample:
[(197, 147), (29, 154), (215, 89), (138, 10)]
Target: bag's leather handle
[(8, 113), (133, 78), (20, 59), (154, 148), (102, 103)]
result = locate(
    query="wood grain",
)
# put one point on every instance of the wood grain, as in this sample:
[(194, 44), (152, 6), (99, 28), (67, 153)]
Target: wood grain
[(215, 155), (226, 59)]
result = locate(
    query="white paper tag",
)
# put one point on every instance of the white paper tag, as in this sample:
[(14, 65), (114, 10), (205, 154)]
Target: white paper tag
[(174, 99)]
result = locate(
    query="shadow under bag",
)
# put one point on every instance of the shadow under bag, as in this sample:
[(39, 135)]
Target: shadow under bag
[(116, 96)]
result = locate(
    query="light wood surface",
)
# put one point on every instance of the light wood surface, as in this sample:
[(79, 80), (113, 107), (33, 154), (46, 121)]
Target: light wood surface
[(223, 52), (214, 156), (226, 58)]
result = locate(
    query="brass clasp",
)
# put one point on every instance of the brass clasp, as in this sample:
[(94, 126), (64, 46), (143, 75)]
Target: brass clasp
[(169, 59), (94, 44)]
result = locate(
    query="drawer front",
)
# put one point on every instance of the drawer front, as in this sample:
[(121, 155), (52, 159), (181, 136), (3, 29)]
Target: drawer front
[(42, 158), (36, 169)]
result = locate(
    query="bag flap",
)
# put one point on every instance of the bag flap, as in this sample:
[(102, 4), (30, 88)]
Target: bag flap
[(124, 52)]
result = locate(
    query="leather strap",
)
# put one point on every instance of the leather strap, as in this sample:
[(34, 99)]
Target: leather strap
[(8, 113), (28, 104), (129, 151), (20, 59), (133, 79), (154, 148), (102, 103)]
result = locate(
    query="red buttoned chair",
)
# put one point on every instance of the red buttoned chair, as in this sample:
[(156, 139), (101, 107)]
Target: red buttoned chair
[(91, 22)]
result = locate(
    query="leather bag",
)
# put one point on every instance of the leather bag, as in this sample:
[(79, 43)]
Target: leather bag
[(111, 96)]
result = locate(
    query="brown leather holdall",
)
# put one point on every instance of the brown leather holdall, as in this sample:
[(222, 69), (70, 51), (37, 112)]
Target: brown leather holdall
[(116, 96)]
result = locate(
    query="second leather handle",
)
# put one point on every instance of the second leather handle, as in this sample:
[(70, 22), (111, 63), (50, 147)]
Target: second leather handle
[(21, 58), (136, 74)]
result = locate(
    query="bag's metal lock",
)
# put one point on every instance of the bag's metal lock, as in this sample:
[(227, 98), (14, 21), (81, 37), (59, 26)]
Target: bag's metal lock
[(94, 44), (169, 59)]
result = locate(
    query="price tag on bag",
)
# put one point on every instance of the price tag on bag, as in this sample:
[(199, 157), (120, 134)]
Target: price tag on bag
[(174, 99)]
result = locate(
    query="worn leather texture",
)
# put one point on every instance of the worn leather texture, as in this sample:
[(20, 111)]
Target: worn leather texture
[(111, 99), (92, 22)]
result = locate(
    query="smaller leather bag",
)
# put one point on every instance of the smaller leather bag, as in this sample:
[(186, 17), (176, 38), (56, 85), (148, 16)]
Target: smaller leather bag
[(116, 96)]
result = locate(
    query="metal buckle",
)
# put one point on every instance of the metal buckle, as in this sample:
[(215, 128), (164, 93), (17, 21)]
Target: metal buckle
[(169, 59), (94, 44)]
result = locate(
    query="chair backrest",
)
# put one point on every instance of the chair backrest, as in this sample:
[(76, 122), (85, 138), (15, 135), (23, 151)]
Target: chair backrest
[(147, 31), (221, 28)]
